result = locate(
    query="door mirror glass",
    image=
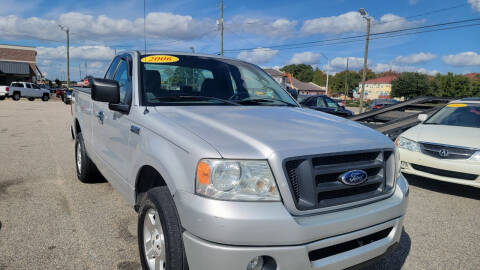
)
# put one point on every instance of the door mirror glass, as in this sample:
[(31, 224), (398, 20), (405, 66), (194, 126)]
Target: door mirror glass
[(422, 117), (105, 90)]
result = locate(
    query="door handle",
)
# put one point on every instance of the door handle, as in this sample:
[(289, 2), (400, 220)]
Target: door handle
[(100, 116), (135, 130)]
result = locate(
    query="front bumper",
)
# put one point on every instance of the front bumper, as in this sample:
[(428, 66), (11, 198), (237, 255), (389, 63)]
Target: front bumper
[(462, 166), (204, 255), (227, 235)]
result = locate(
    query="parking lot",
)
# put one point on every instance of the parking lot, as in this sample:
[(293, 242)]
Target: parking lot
[(52, 221)]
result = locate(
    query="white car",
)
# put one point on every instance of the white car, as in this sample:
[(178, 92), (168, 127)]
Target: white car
[(446, 146), (3, 92), (28, 90)]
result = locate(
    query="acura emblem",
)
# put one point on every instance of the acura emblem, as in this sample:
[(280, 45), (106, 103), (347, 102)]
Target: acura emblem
[(353, 178), (443, 153)]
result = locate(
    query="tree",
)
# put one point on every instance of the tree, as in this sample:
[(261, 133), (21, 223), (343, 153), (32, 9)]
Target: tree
[(58, 82), (370, 74), (301, 72), (410, 84), (319, 77), (338, 81)]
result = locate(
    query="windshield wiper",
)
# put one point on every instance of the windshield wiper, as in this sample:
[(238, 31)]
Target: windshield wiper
[(194, 98), (264, 100)]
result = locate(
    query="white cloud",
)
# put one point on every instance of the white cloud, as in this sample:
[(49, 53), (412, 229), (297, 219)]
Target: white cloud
[(307, 58), (413, 2), (353, 22), (475, 4), (258, 55), (414, 58), (81, 52), (340, 63), (277, 28), (462, 59), (103, 28), (382, 67)]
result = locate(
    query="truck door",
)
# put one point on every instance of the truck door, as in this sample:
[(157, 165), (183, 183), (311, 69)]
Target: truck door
[(111, 130), (27, 91), (36, 91)]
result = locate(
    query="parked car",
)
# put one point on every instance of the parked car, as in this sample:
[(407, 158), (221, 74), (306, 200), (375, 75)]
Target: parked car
[(67, 96), (340, 102), (3, 92), (28, 90), (381, 103), (60, 92), (226, 171), (325, 104), (446, 146)]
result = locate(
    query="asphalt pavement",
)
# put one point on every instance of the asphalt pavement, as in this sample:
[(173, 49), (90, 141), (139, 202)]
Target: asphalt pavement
[(49, 220)]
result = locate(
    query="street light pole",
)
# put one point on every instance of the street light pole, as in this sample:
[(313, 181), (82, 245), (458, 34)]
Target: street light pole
[(365, 59), (67, 30), (221, 27), (328, 67)]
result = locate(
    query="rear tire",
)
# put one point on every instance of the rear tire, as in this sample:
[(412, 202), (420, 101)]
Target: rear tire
[(31, 99), (2, 98), (86, 169), (16, 96), (163, 235), (45, 98)]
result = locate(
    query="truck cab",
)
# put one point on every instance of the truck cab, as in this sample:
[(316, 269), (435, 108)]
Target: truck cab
[(227, 171)]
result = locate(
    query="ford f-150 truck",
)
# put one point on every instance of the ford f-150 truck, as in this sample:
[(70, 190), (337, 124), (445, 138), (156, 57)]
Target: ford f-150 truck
[(228, 172)]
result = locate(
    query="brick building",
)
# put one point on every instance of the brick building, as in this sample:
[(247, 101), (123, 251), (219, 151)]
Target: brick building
[(18, 63)]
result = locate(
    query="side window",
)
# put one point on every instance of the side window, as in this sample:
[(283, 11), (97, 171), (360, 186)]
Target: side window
[(331, 103), (321, 103), (121, 76), (35, 86), (112, 68), (28, 85), (17, 85)]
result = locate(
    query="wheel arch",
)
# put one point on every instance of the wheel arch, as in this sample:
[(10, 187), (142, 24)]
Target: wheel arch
[(147, 178)]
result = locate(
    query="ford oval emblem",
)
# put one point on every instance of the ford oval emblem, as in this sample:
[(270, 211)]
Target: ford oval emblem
[(353, 178)]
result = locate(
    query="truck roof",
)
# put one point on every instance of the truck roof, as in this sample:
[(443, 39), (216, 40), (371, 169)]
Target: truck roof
[(142, 53), (472, 100)]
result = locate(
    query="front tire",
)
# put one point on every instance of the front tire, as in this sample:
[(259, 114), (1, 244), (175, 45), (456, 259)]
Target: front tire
[(160, 232), (45, 98), (2, 98), (86, 169)]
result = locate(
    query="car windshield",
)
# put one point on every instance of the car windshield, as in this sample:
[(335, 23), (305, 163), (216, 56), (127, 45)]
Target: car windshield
[(465, 115), (197, 80)]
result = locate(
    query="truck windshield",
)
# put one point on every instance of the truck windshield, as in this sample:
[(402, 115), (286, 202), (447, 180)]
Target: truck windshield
[(196, 80), (466, 115)]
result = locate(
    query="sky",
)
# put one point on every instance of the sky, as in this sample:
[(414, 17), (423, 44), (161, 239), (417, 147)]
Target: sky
[(321, 33)]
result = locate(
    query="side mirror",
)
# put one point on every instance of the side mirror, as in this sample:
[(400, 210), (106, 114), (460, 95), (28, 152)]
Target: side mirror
[(422, 117), (294, 93), (104, 90)]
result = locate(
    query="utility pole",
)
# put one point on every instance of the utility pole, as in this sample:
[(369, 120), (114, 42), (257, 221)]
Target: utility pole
[(346, 81), (221, 27), (365, 58), (86, 69), (67, 30), (80, 70)]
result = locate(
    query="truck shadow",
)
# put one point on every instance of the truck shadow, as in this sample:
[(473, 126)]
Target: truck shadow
[(396, 259), (444, 187)]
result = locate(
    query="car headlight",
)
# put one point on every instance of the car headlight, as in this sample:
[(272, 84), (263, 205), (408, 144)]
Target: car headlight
[(407, 144), (236, 180), (476, 156)]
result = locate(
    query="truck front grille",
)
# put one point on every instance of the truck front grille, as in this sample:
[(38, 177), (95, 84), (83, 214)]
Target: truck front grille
[(449, 152), (314, 180)]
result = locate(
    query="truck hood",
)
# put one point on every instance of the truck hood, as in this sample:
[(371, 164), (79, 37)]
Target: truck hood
[(258, 132), (450, 135)]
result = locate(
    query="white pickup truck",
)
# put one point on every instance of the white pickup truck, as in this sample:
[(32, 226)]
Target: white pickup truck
[(3, 92), (227, 171), (28, 90)]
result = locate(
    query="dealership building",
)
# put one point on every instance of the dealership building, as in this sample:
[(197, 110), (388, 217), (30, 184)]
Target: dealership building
[(18, 63)]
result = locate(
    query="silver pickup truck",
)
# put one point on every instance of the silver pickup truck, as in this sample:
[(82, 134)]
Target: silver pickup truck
[(228, 172)]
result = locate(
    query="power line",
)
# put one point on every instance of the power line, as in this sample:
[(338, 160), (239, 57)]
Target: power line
[(295, 45), (423, 14)]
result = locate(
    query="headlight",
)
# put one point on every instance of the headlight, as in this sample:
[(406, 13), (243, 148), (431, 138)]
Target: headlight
[(407, 144), (236, 180), (397, 164), (476, 156)]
